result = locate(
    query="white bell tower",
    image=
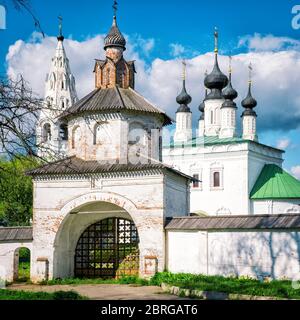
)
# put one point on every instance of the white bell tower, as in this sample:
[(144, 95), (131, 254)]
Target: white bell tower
[(60, 93)]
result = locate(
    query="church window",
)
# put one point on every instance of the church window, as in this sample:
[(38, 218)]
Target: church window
[(212, 117), (196, 181), (216, 177), (62, 104), (62, 85), (63, 132), (46, 132), (102, 133), (76, 135)]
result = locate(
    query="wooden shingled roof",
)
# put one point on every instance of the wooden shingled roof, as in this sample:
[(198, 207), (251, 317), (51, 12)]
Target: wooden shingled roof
[(74, 165), (114, 99), (16, 234), (282, 221)]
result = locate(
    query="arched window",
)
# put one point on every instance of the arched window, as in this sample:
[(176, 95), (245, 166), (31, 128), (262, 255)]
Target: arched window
[(62, 85), (52, 81), (102, 133), (63, 132), (62, 104), (76, 136), (212, 117), (216, 177), (46, 132)]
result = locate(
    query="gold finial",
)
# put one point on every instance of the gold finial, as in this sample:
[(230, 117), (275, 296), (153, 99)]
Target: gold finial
[(115, 7), (60, 19), (183, 70), (216, 35), (230, 64), (250, 72)]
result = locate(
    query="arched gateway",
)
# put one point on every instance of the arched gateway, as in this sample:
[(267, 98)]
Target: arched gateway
[(108, 249)]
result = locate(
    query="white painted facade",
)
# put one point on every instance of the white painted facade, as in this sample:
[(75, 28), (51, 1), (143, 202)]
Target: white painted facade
[(255, 253), (9, 258), (239, 165)]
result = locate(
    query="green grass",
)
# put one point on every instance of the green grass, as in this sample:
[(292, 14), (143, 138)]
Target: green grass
[(24, 272), (6, 294), (76, 281), (247, 286)]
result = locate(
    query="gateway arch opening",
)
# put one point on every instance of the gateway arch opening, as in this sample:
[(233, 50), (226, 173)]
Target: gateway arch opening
[(108, 249)]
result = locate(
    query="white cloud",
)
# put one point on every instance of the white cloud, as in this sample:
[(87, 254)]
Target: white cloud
[(283, 143), (257, 42), (177, 49), (276, 75), (296, 172)]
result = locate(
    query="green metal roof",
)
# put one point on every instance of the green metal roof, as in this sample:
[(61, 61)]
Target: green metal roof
[(214, 140), (275, 183)]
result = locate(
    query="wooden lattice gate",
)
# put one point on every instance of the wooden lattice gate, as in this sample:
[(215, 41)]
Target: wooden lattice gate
[(108, 249)]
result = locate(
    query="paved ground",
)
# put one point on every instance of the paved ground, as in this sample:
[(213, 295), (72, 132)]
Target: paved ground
[(105, 291)]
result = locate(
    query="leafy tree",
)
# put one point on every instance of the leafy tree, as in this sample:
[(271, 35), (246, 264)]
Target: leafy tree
[(16, 192)]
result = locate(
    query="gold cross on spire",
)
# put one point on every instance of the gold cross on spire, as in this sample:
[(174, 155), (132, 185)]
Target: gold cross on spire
[(60, 20), (216, 35), (250, 72), (183, 69), (230, 64), (115, 7)]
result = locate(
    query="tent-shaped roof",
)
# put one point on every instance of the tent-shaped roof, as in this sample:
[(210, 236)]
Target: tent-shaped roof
[(275, 183), (114, 99)]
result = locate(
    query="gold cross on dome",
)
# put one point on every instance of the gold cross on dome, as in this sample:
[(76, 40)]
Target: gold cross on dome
[(216, 35), (115, 7), (60, 19), (183, 69), (250, 72)]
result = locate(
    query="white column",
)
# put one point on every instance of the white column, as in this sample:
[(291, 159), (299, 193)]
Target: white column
[(249, 128), (228, 123), (183, 131)]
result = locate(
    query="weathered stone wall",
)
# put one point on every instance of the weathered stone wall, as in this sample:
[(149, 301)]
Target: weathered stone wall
[(58, 221)]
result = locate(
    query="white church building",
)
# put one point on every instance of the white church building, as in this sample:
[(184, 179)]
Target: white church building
[(119, 202)]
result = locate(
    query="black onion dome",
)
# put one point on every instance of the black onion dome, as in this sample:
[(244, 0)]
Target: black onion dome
[(114, 37), (229, 93), (249, 103), (216, 79), (183, 99)]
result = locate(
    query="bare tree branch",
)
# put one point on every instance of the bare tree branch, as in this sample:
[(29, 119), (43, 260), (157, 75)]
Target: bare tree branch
[(25, 5), (20, 109)]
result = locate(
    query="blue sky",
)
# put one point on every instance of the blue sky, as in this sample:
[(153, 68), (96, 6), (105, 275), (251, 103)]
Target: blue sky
[(188, 24)]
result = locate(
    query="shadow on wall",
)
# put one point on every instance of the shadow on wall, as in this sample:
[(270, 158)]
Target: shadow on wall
[(262, 255)]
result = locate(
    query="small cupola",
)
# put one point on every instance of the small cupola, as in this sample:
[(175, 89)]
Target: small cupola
[(229, 93), (183, 99)]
